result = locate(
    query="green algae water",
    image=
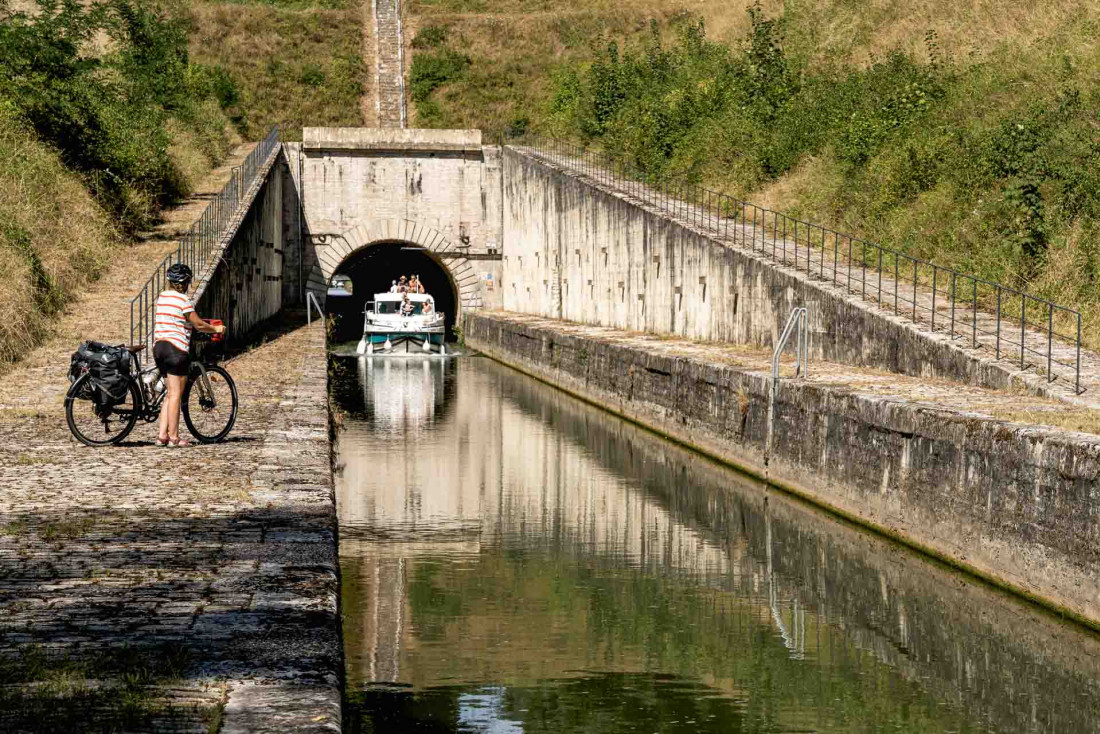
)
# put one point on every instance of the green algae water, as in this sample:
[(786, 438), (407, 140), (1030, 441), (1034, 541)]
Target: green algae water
[(514, 560)]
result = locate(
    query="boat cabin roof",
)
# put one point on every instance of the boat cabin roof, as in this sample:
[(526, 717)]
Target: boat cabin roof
[(414, 297)]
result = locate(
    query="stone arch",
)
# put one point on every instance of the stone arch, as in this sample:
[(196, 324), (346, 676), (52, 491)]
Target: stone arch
[(332, 250)]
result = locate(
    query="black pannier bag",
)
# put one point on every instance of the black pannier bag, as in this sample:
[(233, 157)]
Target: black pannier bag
[(109, 368)]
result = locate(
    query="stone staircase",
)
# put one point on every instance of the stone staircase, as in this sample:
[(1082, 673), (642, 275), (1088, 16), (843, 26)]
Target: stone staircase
[(389, 64)]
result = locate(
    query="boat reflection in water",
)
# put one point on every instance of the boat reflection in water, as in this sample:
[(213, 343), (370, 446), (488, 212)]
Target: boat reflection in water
[(514, 560)]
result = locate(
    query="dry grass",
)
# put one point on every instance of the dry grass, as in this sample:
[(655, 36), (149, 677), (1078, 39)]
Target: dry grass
[(518, 45), (1081, 420), (47, 215), (196, 155), (294, 66)]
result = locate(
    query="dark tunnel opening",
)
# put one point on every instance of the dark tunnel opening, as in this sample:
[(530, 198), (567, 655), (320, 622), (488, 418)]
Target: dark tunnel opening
[(373, 269)]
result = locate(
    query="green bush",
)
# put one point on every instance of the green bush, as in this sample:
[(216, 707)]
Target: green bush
[(107, 114), (433, 69), (430, 36)]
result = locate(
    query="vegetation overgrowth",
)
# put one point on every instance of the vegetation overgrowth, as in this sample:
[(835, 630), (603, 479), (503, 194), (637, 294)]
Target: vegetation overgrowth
[(104, 120), (105, 84), (972, 144)]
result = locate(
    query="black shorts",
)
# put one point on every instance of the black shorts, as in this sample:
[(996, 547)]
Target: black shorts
[(171, 360)]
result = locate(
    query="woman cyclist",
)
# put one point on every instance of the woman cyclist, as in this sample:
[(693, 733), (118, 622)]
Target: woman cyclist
[(175, 317)]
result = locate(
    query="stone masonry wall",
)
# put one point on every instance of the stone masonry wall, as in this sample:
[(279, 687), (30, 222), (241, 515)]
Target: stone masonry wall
[(1014, 504), (576, 252), (915, 616), (246, 286)]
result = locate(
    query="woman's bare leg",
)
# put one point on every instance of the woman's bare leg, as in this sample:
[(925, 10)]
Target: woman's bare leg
[(172, 405), (162, 423)]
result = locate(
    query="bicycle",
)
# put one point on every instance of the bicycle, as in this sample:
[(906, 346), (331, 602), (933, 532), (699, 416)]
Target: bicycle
[(209, 403)]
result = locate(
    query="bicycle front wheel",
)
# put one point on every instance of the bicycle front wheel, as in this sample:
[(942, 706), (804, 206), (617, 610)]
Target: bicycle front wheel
[(210, 410), (95, 425)]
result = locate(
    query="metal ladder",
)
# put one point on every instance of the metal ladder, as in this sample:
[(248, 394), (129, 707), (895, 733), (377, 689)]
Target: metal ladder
[(798, 324)]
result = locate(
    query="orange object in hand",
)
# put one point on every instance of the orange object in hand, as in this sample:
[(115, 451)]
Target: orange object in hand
[(216, 322)]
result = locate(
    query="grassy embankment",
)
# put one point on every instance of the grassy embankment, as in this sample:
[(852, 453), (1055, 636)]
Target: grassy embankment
[(965, 133), (294, 62), (103, 122)]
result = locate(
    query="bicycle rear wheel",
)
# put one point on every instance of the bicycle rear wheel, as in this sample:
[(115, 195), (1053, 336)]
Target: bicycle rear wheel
[(210, 415), (95, 425)]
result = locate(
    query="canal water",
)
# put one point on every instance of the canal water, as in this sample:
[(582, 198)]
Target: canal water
[(514, 560)]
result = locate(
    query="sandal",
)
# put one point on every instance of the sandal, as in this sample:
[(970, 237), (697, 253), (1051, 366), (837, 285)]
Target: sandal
[(162, 442), (178, 443)]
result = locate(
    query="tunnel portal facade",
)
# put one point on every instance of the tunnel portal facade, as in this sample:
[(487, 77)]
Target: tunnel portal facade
[(436, 191)]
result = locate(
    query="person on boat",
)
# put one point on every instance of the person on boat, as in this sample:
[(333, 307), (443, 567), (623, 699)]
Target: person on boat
[(393, 287), (175, 318), (406, 306), (402, 285), (419, 285), (426, 308)]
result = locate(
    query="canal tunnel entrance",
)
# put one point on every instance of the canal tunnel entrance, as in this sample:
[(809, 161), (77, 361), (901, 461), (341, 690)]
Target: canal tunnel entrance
[(373, 269)]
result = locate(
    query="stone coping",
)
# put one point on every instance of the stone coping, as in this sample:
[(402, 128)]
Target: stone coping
[(389, 139)]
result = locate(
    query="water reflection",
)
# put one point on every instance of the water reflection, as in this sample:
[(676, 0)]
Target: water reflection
[(517, 561)]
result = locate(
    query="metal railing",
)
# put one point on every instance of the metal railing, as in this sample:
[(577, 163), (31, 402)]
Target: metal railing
[(202, 240), (1007, 322)]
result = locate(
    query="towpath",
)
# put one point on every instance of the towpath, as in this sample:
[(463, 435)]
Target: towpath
[(170, 589), (927, 393)]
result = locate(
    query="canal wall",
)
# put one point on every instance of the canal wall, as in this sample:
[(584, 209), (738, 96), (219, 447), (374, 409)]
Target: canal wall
[(1013, 504), (919, 618), (576, 251)]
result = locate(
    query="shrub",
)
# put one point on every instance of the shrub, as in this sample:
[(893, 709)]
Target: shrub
[(432, 70), (430, 36), (107, 114)]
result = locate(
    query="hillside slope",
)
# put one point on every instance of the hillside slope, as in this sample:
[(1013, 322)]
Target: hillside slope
[(292, 62), (104, 122), (962, 132)]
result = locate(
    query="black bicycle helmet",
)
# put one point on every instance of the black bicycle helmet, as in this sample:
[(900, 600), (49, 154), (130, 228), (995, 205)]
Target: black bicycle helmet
[(179, 273)]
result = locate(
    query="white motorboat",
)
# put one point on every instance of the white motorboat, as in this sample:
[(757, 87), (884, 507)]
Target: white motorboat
[(389, 324)]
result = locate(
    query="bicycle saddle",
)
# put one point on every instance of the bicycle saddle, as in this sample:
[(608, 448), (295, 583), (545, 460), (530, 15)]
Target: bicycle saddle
[(134, 348)]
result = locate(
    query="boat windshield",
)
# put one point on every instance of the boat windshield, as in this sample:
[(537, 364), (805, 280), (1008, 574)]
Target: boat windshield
[(394, 307)]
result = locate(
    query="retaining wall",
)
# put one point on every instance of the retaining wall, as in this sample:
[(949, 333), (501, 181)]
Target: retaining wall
[(245, 287), (575, 251), (1009, 664), (1013, 504)]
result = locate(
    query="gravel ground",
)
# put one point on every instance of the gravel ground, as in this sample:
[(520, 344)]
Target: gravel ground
[(151, 589)]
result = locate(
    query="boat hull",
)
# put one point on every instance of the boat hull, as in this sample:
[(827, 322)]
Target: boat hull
[(390, 342)]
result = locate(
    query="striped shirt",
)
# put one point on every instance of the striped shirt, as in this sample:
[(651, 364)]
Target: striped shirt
[(171, 324)]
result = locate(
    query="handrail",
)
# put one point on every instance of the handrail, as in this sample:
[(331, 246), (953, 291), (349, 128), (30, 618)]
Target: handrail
[(798, 320), (311, 302), (202, 240), (945, 300)]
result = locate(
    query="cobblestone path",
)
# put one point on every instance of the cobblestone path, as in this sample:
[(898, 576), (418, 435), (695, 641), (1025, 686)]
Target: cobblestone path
[(168, 589)]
